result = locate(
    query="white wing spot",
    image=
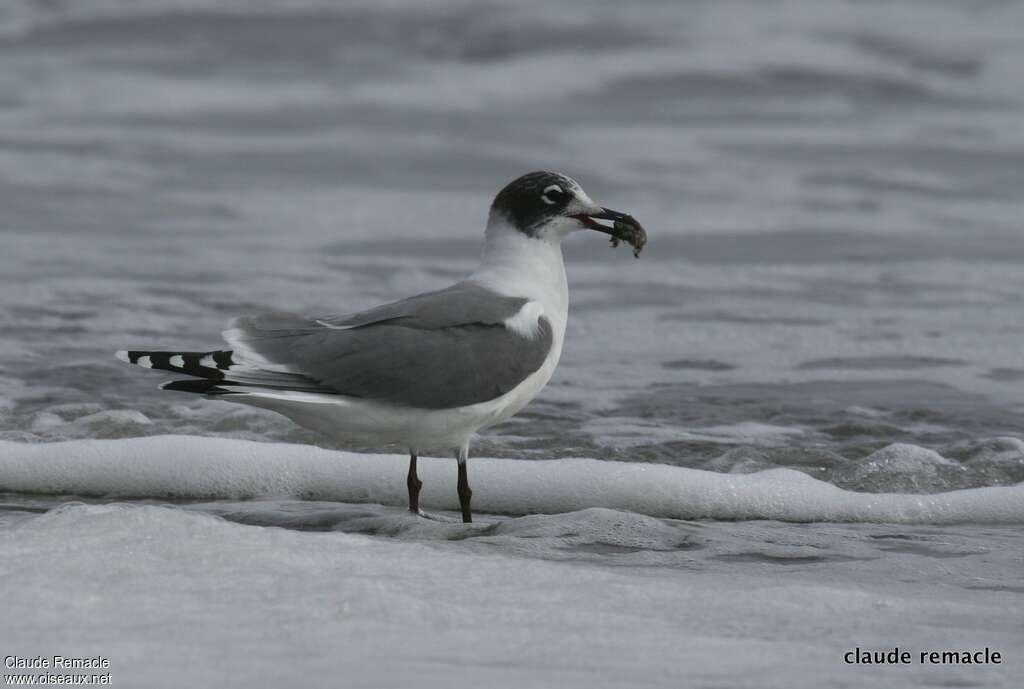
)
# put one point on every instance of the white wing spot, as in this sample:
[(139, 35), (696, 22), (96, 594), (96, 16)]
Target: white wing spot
[(145, 361), (178, 361), (527, 321), (208, 362)]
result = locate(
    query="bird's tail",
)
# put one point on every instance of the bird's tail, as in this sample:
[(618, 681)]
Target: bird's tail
[(215, 373)]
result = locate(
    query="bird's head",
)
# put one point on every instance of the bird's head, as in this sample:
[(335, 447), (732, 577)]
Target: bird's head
[(548, 206)]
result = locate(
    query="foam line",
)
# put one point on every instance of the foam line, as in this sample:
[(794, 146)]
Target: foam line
[(211, 468)]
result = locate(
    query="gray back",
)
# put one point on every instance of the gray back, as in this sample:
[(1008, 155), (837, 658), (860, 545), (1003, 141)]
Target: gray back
[(438, 350)]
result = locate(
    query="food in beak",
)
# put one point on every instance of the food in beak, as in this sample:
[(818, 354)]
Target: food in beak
[(630, 231), (624, 228)]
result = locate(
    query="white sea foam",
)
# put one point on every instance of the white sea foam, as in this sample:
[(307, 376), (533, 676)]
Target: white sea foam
[(181, 598), (195, 467)]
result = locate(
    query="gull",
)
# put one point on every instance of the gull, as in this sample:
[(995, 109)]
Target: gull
[(430, 371)]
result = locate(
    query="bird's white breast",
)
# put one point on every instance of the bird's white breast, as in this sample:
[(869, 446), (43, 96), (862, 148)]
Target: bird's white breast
[(519, 266)]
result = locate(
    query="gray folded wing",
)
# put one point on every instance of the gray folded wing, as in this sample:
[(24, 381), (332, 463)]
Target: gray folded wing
[(438, 350)]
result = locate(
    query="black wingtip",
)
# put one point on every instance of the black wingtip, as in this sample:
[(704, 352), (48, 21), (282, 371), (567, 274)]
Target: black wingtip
[(200, 387), (209, 365)]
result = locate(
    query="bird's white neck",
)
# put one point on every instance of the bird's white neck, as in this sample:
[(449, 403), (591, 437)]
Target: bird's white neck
[(520, 266)]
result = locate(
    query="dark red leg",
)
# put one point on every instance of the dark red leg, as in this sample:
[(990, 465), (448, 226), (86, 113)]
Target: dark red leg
[(414, 484), (465, 493)]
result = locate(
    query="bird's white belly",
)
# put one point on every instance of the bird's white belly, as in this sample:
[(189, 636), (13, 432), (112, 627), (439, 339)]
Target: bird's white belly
[(354, 420)]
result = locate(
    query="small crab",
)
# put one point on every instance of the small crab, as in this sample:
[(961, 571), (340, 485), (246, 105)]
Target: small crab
[(624, 228), (628, 230)]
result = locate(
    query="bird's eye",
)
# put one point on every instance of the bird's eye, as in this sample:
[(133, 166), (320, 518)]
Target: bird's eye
[(553, 194)]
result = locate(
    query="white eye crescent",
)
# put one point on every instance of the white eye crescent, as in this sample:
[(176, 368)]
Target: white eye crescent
[(555, 191)]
